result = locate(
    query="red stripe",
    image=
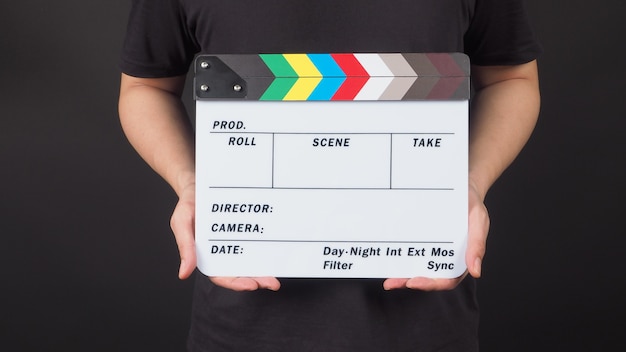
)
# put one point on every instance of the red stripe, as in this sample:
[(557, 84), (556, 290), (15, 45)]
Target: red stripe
[(356, 76)]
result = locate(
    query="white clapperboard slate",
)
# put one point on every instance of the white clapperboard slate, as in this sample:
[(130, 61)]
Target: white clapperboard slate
[(343, 165)]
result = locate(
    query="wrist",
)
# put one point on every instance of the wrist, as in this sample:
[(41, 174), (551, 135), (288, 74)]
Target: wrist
[(478, 187), (185, 182)]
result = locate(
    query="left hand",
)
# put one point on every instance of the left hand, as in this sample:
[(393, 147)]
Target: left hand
[(478, 228)]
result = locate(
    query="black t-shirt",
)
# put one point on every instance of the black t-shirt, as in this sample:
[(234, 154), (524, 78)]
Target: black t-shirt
[(164, 35), (327, 315)]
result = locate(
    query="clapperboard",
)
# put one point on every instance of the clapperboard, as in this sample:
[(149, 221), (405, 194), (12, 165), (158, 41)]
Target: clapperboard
[(349, 165)]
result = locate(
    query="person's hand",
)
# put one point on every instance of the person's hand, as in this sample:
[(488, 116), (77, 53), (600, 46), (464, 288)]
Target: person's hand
[(247, 283), (478, 228), (183, 226)]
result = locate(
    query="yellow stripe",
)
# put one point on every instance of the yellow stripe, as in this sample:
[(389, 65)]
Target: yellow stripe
[(309, 75), (303, 66), (303, 88)]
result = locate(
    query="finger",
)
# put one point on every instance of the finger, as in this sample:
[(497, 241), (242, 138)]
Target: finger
[(182, 224), (394, 284), (187, 251), (476, 245), (428, 284), (246, 283), (235, 283), (477, 235), (269, 283)]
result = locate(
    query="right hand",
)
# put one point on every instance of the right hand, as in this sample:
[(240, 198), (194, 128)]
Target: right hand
[(183, 226)]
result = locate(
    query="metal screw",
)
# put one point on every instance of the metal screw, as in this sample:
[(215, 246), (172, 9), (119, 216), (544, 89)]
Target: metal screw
[(204, 88), (237, 88), (205, 64)]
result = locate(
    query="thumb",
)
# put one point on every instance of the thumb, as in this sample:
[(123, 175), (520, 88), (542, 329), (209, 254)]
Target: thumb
[(478, 230), (183, 226)]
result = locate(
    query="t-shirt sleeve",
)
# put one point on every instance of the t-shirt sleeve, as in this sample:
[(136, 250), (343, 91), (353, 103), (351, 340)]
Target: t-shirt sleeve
[(157, 42), (501, 34)]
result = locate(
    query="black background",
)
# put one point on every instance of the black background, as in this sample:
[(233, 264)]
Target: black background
[(87, 260)]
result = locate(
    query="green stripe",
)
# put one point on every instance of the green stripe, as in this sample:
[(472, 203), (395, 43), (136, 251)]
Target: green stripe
[(286, 76), (278, 89), (278, 65)]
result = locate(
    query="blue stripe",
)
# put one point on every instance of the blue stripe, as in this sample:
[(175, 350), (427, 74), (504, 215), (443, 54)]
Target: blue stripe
[(326, 89), (333, 77), (326, 65)]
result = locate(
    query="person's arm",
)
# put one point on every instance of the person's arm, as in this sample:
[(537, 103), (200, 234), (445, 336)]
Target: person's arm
[(504, 113), (156, 124)]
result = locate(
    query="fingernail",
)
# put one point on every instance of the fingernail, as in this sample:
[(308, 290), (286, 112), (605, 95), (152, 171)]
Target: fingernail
[(180, 268), (477, 267)]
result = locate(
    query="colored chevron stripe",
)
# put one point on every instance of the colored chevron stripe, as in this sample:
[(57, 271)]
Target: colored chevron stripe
[(356, 76), (285, 75), (309, 77), (403, 77), (348, 76), (380, 77), (333, 77)]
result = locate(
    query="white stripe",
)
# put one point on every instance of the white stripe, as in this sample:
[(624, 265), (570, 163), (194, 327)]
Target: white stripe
[(380, 76), (374, 88), (374, 65)]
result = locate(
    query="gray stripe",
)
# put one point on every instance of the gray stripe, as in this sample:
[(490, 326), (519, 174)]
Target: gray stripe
[(398, 65)]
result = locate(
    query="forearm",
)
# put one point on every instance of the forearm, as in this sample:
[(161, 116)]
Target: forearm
[(504, 113), (156, 124)]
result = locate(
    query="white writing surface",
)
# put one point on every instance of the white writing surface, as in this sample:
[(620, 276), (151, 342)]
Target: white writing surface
[(370, 189)]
